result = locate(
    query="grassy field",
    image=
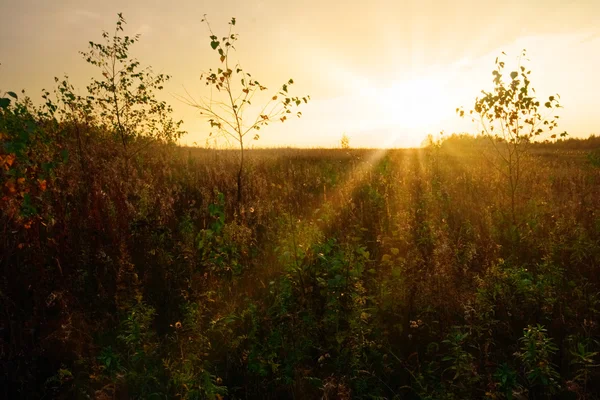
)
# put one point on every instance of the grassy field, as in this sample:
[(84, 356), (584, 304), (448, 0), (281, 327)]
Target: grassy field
[(345, 273)]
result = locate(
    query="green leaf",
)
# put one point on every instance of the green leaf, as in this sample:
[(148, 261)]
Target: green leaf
[(214, 44), (4, 102), (13, 94)]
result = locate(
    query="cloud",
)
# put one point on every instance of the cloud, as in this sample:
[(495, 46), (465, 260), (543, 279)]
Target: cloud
[(590, 37), (144, 30), (79, 16), (85, 14)]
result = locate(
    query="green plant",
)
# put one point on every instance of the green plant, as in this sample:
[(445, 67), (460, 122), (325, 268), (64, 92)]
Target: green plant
[(223, 245), (536, 354), (585, 361), (59, 382), (187, 363), (461, 362), (507, 380), (29, 155), (139, 352), (110, 362), (229, 116), (594, 158)]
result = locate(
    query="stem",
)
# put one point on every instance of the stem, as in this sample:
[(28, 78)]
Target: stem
[(238, 129), (240, 171), (116, 104)]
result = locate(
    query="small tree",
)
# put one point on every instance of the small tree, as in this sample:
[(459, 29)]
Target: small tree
[(510, 116), (238, 87), (125, 98), (345, 142)]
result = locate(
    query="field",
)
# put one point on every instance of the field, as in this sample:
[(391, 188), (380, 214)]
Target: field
[(344, 273), (135, 268)]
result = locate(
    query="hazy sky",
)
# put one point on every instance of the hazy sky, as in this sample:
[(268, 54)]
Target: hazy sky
[(386, 73)]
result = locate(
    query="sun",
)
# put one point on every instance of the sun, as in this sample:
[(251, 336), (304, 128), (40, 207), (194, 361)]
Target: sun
[(419, 103), (405, 111)]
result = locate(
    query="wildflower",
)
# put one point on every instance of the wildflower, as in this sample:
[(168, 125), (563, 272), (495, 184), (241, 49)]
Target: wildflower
[(251, 209), (177, 325)]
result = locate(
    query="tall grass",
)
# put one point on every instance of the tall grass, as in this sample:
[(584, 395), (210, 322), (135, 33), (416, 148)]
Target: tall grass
[(347, 274)]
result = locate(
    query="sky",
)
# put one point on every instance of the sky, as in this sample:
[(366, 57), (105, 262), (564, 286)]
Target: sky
[(384, 72)]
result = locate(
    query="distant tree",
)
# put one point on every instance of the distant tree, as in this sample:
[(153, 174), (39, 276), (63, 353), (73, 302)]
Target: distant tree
[(430, 141), (238, 89), (510, 116), (345, 142)]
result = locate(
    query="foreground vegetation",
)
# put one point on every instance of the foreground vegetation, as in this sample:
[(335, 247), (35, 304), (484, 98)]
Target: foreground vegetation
[(131, 268), (348, 274)]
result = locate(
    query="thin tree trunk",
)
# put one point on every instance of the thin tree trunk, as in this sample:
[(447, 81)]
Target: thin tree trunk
[(239, 177)]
